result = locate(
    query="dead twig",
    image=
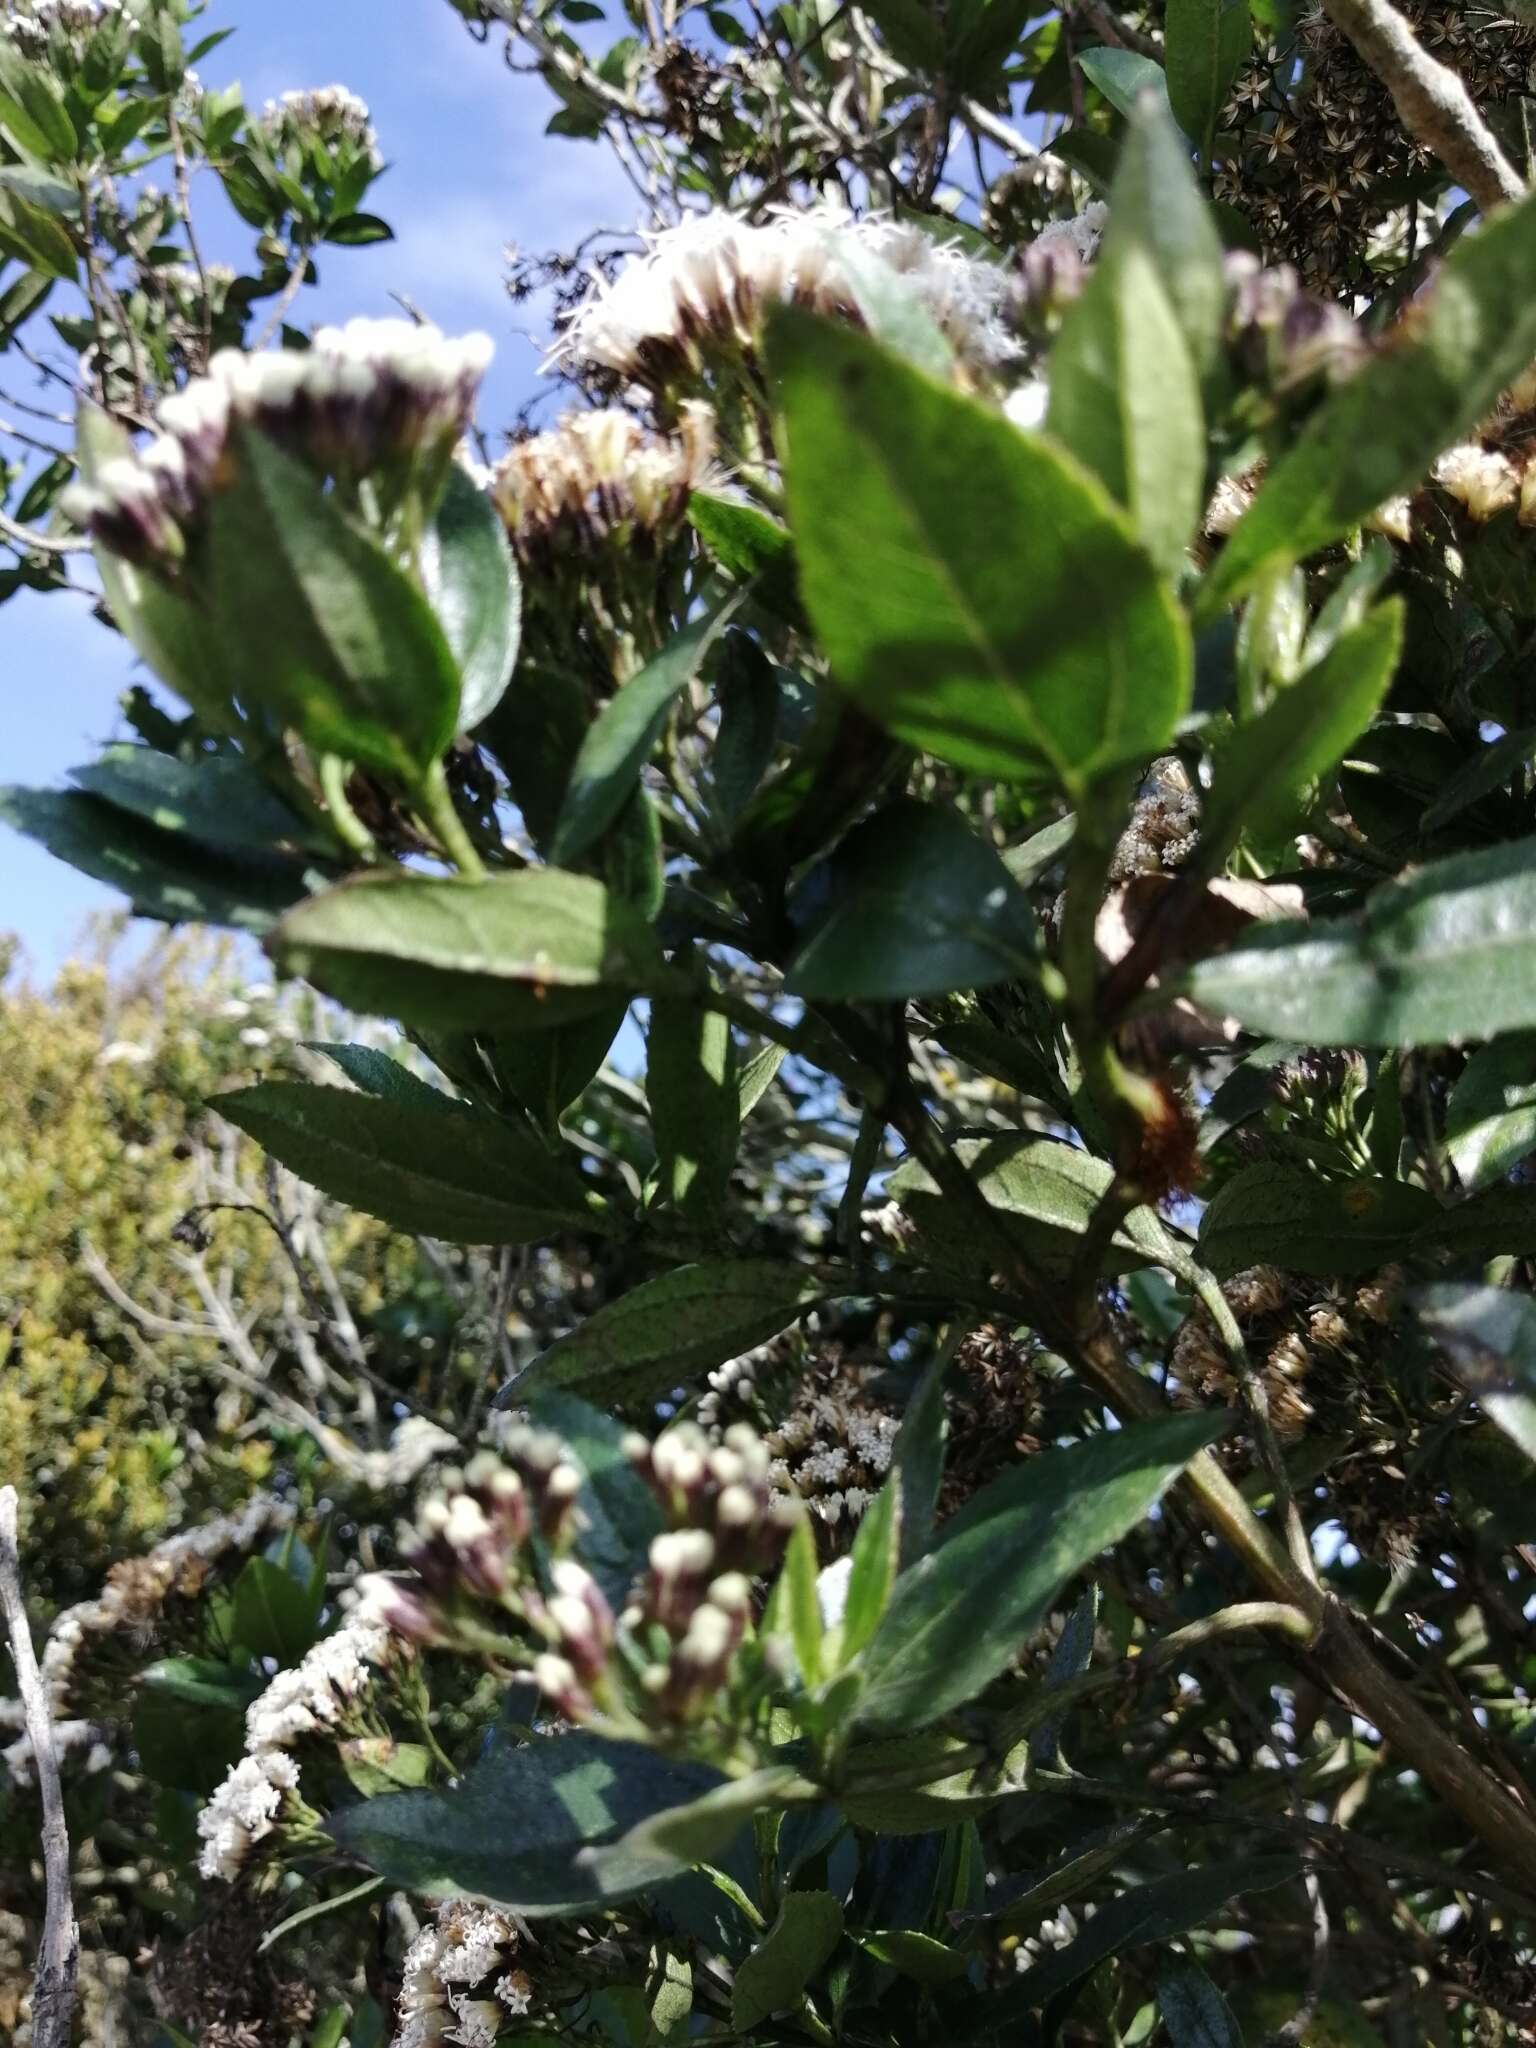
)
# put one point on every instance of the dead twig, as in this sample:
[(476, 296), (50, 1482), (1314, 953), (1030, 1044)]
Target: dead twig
[(58, 1955)]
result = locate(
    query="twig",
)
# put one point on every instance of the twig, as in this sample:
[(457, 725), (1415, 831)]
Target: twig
[(58, 1955), (42, 543), (286, 297), (1105, 22), (1432, 103)]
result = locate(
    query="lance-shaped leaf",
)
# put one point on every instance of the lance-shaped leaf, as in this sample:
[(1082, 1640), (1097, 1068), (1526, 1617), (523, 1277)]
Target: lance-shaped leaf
[(1283, 1215), (1159, 1912), (1490, 1121), (219, 799), (672, 1328), (540, 1829), (1125, 388), (977, 594), (808, 1927), (317, 625), (618, 743), (1379, 432), (163, 874), (1489, 1335), (694, 1098), (532, 948), (1051, 1189), (1272, 760), (961, 1612), (1194, 2011), (1447, 955), (441, 1169), (1204, 45), (912, 903), (472, 582)]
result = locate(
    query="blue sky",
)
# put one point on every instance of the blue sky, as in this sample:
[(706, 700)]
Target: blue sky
[(471, 170)]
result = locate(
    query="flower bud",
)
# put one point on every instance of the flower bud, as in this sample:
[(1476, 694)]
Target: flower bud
[(557, 1679)]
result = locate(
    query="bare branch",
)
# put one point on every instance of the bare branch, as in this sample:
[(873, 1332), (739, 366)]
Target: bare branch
[(1432, 103), (58, 1955), (42, 543)]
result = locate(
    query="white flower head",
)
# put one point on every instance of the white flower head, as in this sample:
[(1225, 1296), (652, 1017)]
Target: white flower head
[(703, 287), (243, 1811), (1482, 480)]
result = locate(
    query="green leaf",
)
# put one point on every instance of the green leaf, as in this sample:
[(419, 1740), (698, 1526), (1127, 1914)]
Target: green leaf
[(958, 1616), (1125, 401), (886, 1808), (692, 1091), (273, 1614), (533, 948), (915, 1955), (619, 1511), (1194, 2011), (34, 236), (672, 1996), (1285, 1216), (872, 1573), (1051, 1188), (1271, 761), (755, 1078), (913, 31), (618, 743), (1160, 1911), (375, 1764), (379, 1073), (1490, 1121), (218, 799), (540, 1829), (161, 874), (317, 623), (1123, 76), (917, 1458), (673, 1328), (808, 1928), (750, 547), (33, 110), (1446, 955), (546, 1070), (1489, 1335), (439, 1169), (203, 1682), (793, 1613), (748, 694), (472, 582), (1205, 43), (1378, 433), (357, 230), (536, 732), (976, 595), (912, 903)]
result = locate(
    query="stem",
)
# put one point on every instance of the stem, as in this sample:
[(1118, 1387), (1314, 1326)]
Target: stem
[(58, 1954), (349, 827), (1432, 103), (437, 807)]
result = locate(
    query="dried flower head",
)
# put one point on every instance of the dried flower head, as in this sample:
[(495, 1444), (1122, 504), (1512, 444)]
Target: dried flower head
[(31, 24), (701, 291), (1483, 481), (373, 396), (600, 480), (329, 115)]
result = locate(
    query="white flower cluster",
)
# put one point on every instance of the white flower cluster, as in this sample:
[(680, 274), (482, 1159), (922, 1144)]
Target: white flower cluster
[(1485, 482), (136, 1589), (310, 1698), (359, 396), (327, 114), (706, 284), (316, 1692), (413, 1445), (242, 1811), (69, 1737), (600, 477), (1080, 235), (30, 23), (445, 1995)]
